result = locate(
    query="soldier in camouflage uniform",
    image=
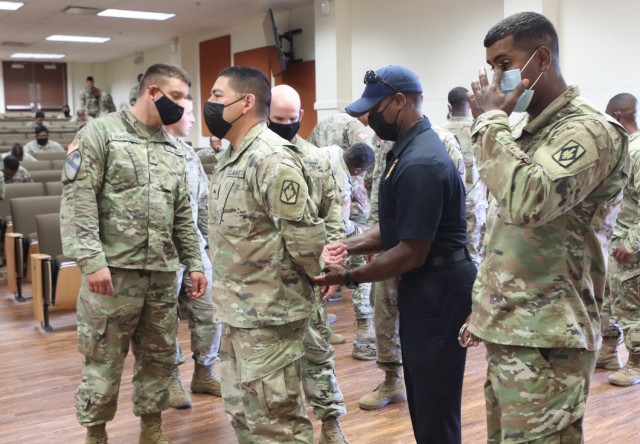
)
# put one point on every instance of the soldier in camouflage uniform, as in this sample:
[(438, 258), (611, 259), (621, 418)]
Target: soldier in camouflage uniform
[(86, 97), (345, 164), (126, 220), (208, 154), (205, 334), (624, 272), (13, 172), (556, 181), (133, 94), (385, 293), (104, 102), (476, 200), (345, 131), (319, 381), (266, 240), (42, 144)]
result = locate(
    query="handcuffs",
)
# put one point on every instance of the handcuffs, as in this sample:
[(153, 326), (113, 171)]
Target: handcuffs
[(469, 340)]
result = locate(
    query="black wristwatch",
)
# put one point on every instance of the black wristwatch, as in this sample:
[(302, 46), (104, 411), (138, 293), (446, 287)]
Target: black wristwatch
[(348, 280)]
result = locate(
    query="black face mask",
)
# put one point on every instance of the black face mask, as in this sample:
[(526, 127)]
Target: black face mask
[(42, 141), (285, 130), (215, 122), (384, 130), (170, 112)]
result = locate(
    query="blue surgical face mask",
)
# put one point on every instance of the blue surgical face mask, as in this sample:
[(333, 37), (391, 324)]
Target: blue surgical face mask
[(511, 79)]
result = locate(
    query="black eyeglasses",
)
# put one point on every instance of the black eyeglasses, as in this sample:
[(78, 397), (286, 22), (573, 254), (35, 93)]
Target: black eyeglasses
[(371, 77)]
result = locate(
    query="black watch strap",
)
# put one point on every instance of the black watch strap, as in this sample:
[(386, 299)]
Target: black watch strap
[(349, 282)]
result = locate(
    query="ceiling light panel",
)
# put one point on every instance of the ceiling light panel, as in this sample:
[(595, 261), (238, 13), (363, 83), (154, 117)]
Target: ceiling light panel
[(28, 55), (77, 38), (140, 15), (11, 6)]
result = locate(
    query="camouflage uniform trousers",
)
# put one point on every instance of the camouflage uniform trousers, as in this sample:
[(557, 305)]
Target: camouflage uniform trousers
[(626, 307), (361, 296), (609, 323), (260, 370), (205, 333), (476, 225), (319, 380), (141, 312), (536, 395), (387, 325)]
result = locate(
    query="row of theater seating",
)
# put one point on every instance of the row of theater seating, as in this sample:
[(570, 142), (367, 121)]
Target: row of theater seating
[(33, 247)]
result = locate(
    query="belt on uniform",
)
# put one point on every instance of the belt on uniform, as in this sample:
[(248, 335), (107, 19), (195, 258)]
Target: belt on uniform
[(449, 259)]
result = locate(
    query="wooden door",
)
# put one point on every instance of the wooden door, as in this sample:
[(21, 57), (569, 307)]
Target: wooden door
[(33, 86)]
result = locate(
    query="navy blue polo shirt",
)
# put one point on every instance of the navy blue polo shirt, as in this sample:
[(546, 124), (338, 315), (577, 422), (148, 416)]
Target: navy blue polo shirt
[(421, 193)]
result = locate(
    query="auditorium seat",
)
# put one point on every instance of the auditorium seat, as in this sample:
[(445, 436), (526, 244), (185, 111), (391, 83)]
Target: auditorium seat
[(53, 188), (36, 165), (47, 176), (23, 242), (50, 155), (56, 278)]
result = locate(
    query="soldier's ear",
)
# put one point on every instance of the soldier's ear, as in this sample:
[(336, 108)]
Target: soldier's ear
[(250, 102)]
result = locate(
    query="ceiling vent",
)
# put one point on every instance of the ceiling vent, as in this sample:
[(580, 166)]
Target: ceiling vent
[(81, 10)]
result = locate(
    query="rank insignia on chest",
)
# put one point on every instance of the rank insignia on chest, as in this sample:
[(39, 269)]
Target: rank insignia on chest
[(289, 192), (569, 153)]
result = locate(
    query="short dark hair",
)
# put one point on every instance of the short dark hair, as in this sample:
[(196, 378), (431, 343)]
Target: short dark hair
[(40, 128), (530, 31), (160, 73), (17, 151), (359, 155), (622, 100), (89, 78), (457, 97), (249, 80), (40, 114), (11, 163)]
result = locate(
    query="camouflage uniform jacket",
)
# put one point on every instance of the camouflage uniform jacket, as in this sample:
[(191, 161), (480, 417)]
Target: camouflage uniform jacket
[(85, 98), (21, 176), (106, 105), (133, 95), (628, 223), (335, 155), (207, 155), (198, 192), (323, 190), (556, 183), (476, 191), (51, 146), (264, 234), (339, 129), (128, 206), (382, 148)]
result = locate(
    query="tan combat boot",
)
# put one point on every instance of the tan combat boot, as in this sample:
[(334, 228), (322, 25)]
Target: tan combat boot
[(331, 432), (178, 396), (151, 430), (96, 434), (365, 331), (205, 381), (336, 338), (390, 391), (608, 357), (630, 373)]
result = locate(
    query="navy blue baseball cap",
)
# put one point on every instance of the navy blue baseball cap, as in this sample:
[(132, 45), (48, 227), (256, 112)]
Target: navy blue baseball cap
[(381, 83)]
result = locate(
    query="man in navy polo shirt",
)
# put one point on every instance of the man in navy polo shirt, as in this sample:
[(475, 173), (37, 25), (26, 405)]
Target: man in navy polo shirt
[(422, 231)]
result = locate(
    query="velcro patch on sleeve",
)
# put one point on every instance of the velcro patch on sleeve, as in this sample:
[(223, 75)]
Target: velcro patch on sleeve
[(72, 164)]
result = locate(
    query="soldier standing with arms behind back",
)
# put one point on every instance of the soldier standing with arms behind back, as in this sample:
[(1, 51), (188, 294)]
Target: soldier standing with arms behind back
[(126, 220), (556, 181), (205, 334), (266, 240), (624, 261)]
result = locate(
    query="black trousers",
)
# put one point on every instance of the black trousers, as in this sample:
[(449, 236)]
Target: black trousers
[(433, 304)]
